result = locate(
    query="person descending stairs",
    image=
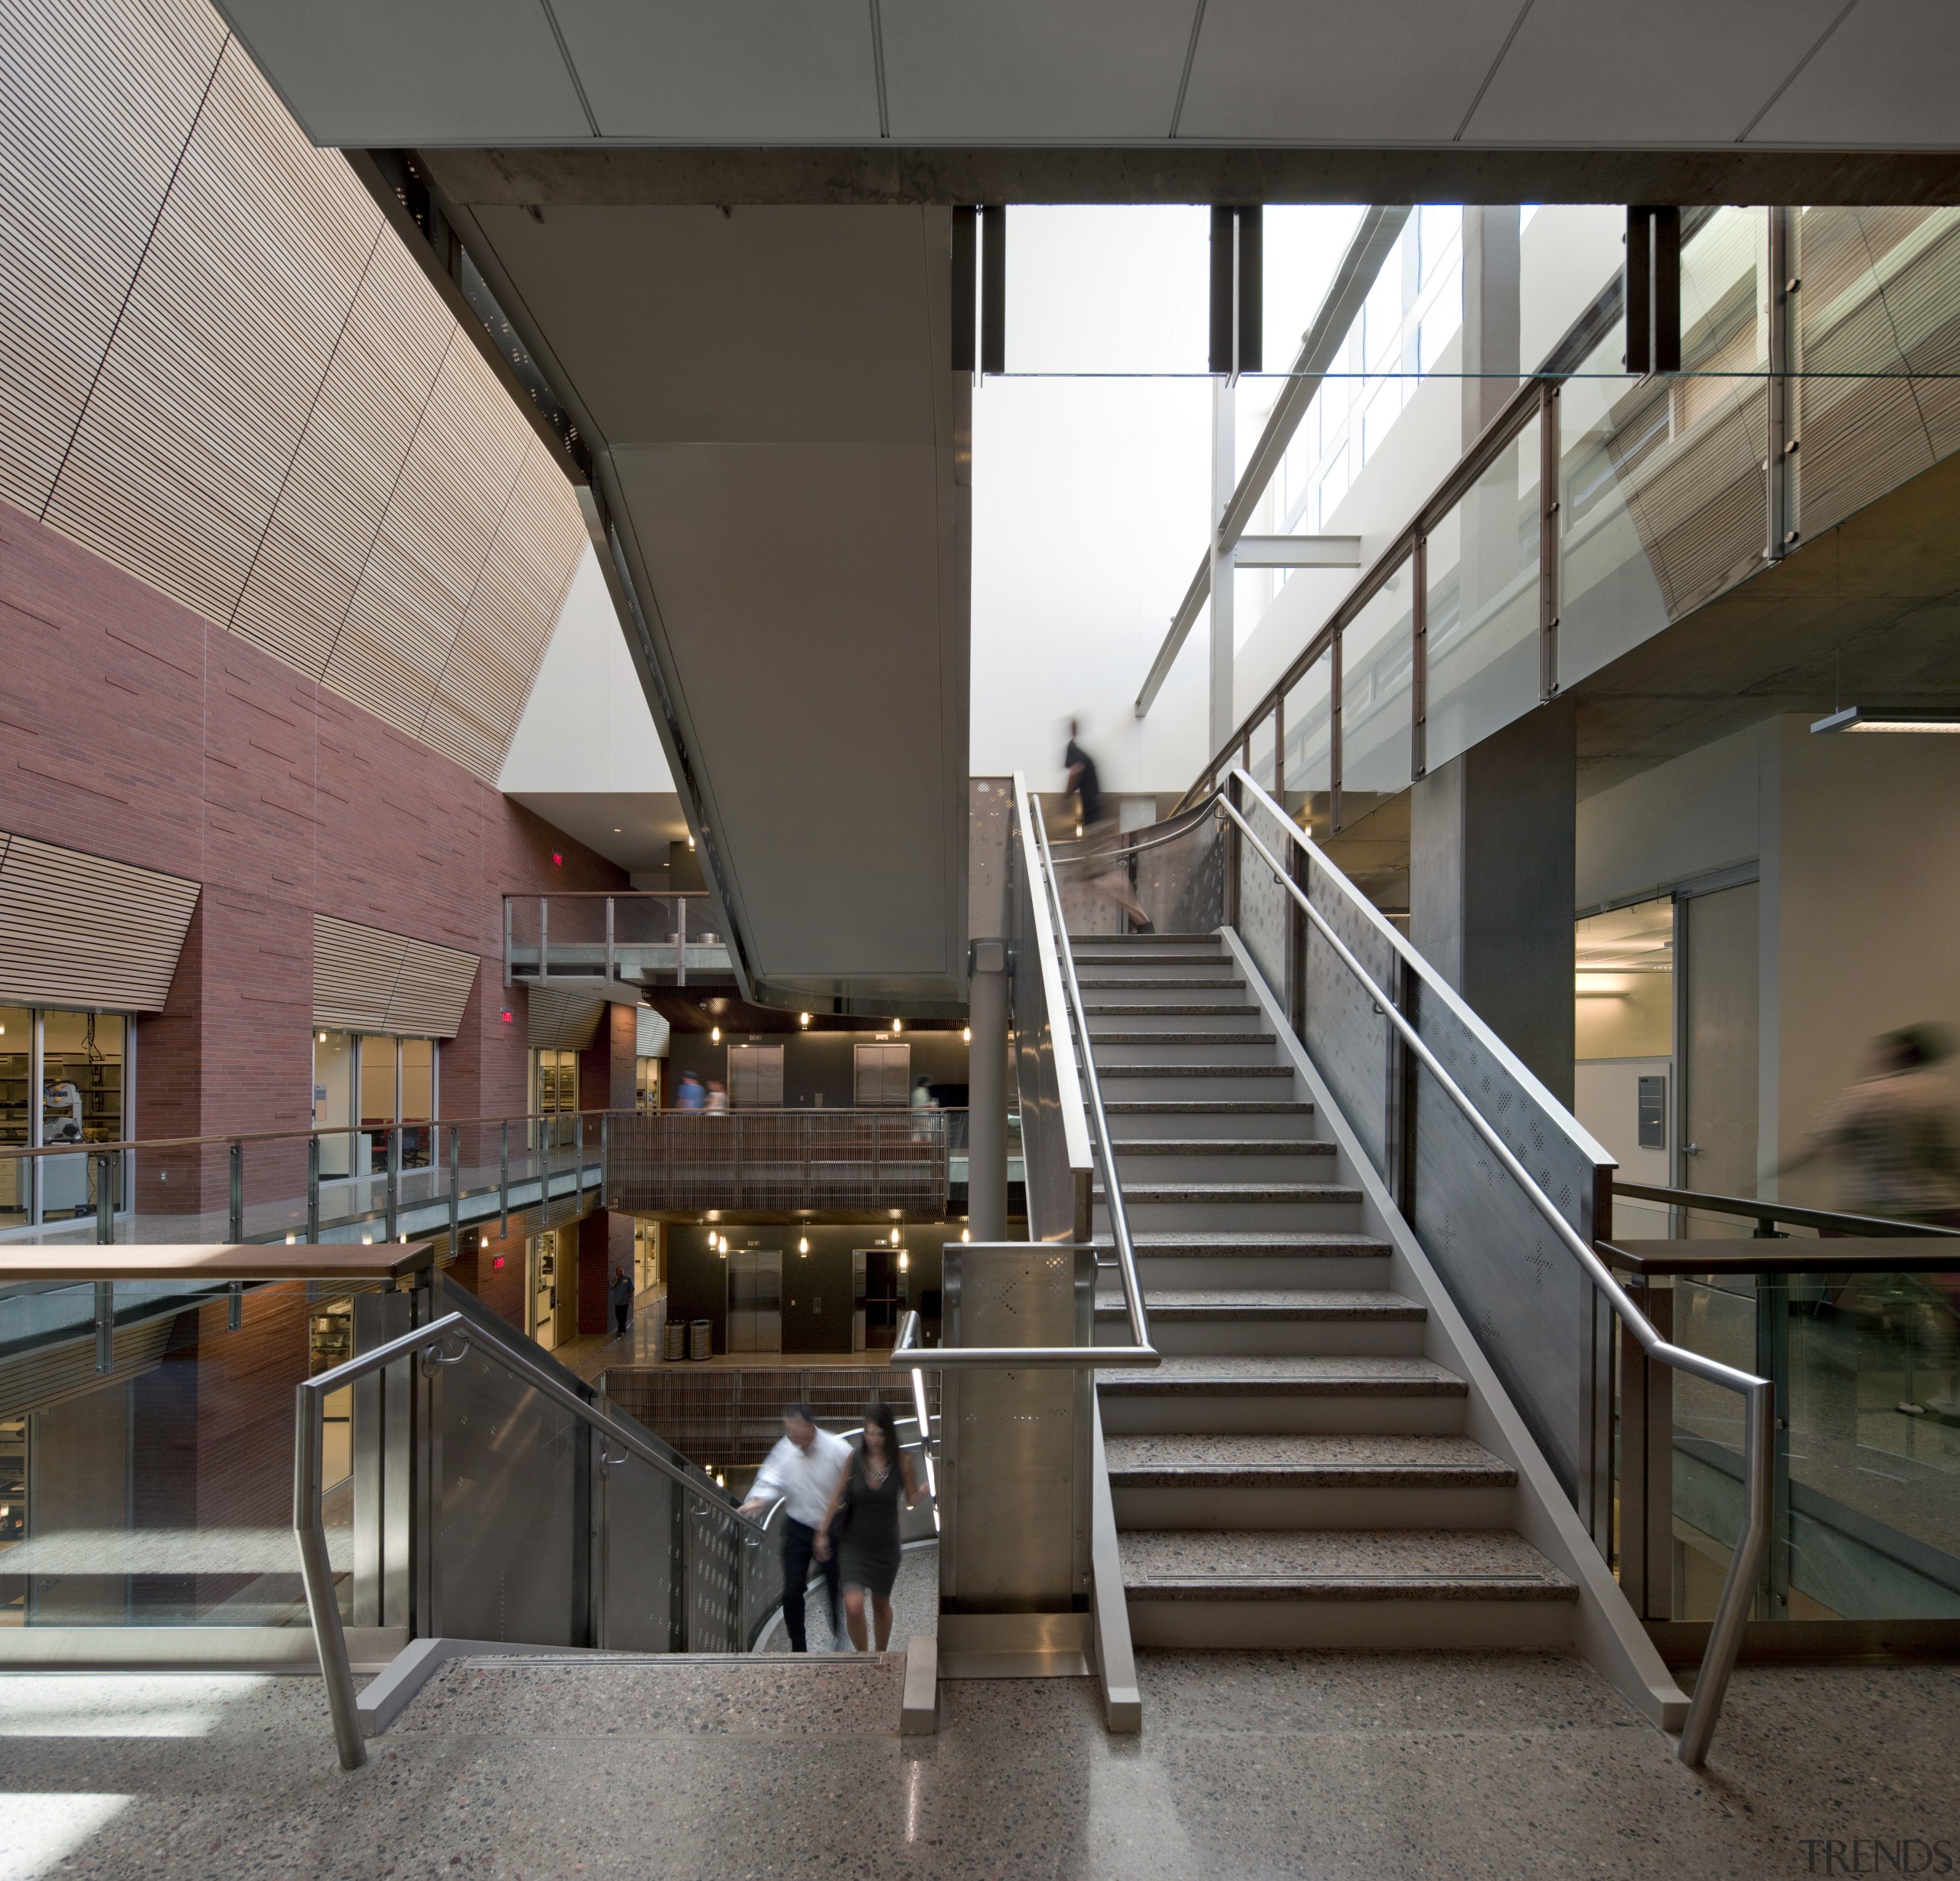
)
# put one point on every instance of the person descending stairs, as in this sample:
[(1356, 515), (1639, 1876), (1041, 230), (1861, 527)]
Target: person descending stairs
[(1297, 1472)]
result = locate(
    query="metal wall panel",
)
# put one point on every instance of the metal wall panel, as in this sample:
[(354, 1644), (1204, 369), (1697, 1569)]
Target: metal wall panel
[(1013, 1498), (79, 930)]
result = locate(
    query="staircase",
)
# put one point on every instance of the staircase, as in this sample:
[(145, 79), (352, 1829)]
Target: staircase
[(1297, 1473)]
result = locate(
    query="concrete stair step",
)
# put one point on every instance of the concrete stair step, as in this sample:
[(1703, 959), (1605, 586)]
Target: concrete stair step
[(1207, 1479), (1157, 1159), (1159, 1207), (1160, 1036), (1127, 979), (1147, 957), (1378, 1589), (1213, 1021), (1163, 1080), (1290, 1321), (1218, 1051), (1139, 992), (1221, 1118), (1364, 1394), (1286, 1256)]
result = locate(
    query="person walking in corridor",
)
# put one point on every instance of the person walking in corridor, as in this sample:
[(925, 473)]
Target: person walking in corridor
[(1100, 865), (622, 1301), (803, 1471), (860, 1528)]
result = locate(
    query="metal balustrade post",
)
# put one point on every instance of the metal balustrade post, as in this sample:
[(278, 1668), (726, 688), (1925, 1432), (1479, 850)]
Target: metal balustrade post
[(578, 1152), (507, 941), (1781, 456), (105, 1201), (105, 1328), (608, 939), (312, 1191), (504, 1180), (1548, 567), (681, 940), (237, 1210), (543, 939), (456, 1185), (1233, 857), (394, 1179), (234, 1307)]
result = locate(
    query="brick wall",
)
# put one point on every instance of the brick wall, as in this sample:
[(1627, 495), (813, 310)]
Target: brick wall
[(133, 729)]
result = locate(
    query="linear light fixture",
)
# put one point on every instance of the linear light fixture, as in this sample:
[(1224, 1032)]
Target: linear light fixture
[(1855, 718)]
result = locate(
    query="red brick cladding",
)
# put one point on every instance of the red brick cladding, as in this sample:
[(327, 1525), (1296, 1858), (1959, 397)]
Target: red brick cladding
[(132, 728)]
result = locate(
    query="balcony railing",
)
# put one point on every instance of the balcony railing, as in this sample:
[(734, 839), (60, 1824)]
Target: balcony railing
[(785, 1161), (628, 939)]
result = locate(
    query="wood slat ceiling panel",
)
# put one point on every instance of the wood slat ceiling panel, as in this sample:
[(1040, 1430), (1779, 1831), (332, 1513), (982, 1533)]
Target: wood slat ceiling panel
[(80, 930), (441, 521), (474, 713), (354, 974), (431, 990), (97, 98), (561, 1021), (225, 340), (357, 439), (366, 979)]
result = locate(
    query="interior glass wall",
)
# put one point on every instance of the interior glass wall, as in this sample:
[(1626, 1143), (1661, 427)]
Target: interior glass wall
[(646, 1083), (333, 1099), (62, 1080), (16, 1072)]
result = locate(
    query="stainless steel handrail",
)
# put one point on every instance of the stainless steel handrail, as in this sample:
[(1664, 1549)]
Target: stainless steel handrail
[(308, 1519), (1758, 1394), (1112, 1189), (1882, 1226)]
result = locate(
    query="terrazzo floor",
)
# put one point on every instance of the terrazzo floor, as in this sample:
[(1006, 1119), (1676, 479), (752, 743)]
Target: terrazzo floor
[(1257, 1765)]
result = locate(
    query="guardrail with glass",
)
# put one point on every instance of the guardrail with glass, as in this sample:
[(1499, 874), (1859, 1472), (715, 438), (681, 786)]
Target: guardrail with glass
[(545, 1518), (1499, 1183), (1820, 368), (377, 1182), (1852, 1319), (629, 937)]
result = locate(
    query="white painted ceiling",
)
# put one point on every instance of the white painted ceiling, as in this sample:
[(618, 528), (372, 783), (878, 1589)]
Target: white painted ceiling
[(1876, 75)]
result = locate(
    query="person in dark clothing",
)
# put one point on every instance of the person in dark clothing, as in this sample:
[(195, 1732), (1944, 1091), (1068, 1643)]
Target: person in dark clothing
[(860, 1526), (622, 1300), (1101, 866)]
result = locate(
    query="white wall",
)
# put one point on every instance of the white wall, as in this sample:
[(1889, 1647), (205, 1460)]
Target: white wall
[(586, 726), (1693, 816), (1606, 1099)]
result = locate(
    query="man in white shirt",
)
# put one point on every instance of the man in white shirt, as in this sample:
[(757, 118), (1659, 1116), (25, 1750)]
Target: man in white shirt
[(802, 1471)]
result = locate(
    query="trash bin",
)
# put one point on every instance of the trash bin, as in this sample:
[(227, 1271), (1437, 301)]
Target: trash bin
[(675, 1347), (701, 1338)]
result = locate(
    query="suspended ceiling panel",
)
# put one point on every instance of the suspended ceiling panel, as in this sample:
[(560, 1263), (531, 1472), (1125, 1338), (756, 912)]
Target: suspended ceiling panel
[(1553, 83), (1584, 74), (1015, 69), (763, 69)]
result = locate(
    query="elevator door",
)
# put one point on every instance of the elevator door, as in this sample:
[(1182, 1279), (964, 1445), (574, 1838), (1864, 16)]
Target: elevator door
[(755, 1300), (1718, 1136), (883, 1076)]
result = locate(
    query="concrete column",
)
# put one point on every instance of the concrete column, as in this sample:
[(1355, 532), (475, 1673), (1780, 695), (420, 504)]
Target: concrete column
[(987, 1094), (1490, 318), (1224, 477), (1491, 884)]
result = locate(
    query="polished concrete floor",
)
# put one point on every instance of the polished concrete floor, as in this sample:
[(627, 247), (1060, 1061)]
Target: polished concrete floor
[(1250, 1764)]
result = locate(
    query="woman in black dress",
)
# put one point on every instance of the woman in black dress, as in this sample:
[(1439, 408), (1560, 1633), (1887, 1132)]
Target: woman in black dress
[(862, 1524)]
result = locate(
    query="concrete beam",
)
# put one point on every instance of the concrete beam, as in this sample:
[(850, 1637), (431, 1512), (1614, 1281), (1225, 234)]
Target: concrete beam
[(1297, 552)]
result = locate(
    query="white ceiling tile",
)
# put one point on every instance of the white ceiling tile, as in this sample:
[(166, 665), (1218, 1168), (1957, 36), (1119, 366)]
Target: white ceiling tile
[(1341, 71), (380, 73), (687, 326), (759, 71), (1046, 70), (1888, 79), (1589, 72)]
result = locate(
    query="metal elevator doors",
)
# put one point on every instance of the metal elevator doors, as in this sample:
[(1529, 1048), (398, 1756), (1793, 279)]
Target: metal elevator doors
[(1718, 1136), (755, 1299)]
